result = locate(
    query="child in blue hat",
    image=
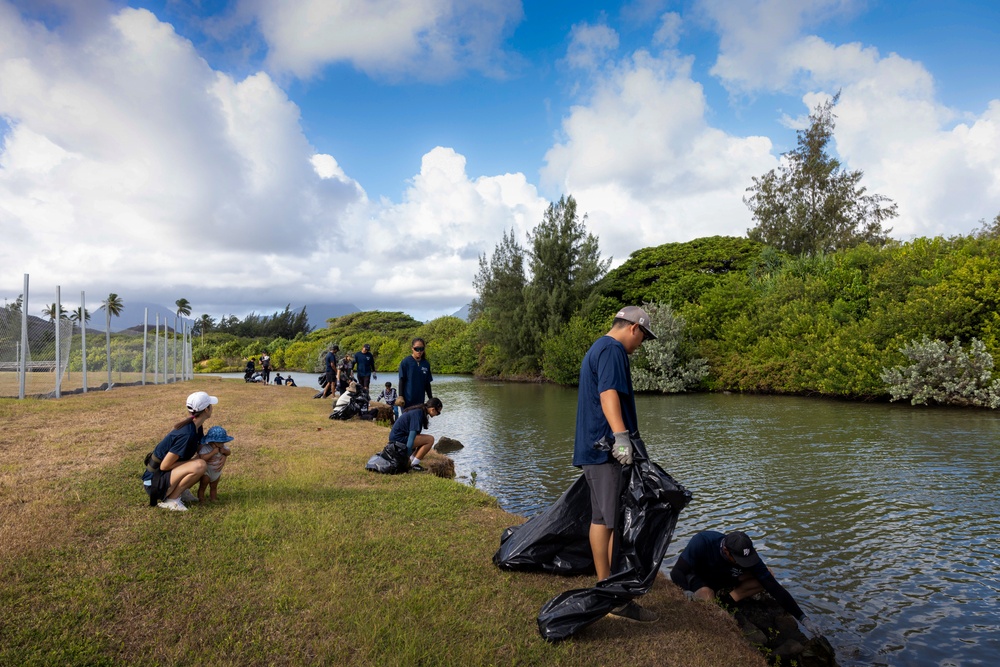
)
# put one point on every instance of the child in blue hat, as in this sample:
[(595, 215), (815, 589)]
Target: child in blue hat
[(214, 451)]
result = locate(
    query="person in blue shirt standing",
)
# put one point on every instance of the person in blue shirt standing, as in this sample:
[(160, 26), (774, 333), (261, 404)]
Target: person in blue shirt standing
[(415, 375), (329, 383), (364, 361), (605, 415)]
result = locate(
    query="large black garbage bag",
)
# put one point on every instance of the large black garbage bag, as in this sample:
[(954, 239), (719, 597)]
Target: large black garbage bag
[(556, 541), (392, 460), (650, 503)]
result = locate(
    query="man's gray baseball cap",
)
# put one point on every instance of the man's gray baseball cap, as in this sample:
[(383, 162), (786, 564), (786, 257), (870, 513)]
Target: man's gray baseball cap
[(636, 315)]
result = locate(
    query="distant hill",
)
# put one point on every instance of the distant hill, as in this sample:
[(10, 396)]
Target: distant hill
[(319, 313), (462, 313)]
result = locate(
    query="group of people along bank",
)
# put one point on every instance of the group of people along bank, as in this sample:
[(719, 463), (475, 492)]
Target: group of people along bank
[(189, 455), (713, 565), (415, 395)]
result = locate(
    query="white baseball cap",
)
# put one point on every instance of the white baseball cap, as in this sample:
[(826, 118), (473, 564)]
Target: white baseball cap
[(199, 401)]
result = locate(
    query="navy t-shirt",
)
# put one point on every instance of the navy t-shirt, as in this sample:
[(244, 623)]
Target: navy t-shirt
[(331, 362), (410, 420), (414, 380), (604, 367), (365, 362), (703, 554), (184, 442)]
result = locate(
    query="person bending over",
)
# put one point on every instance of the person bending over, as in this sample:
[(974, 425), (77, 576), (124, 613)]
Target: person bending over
[(727, 567), (407, 430)]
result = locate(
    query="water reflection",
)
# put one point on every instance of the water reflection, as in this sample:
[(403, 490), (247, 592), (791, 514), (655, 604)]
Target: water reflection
[(880, 519)]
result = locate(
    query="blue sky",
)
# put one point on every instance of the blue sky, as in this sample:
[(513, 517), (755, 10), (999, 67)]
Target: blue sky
[(254, 153)]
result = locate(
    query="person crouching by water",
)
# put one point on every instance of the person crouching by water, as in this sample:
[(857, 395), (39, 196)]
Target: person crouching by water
[(214, 451), (407, 431), (174, 466), (727, 568)]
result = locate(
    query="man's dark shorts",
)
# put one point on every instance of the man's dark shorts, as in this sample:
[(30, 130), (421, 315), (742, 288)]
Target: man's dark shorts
[(604, 481)]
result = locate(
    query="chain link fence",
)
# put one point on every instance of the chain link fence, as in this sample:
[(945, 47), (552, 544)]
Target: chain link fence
[(51, 354)]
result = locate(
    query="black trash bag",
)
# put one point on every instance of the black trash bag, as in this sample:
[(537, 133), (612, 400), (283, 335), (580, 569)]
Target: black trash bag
[(356, 406), (556, 541), (392, 460), (650, 503)]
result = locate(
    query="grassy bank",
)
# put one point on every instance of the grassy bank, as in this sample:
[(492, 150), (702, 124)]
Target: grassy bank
[(306, 558)]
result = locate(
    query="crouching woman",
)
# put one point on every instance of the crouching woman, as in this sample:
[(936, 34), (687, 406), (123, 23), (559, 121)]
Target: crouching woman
[(174, 466), (407, 429)]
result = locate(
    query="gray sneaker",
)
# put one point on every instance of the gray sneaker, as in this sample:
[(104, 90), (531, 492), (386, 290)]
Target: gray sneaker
[(634, 612), (188, 497)]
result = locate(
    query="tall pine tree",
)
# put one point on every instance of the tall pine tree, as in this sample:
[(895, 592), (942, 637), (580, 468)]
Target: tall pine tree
[(809, 205), (565, 264)]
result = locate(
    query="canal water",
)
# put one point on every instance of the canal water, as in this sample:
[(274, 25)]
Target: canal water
[(881, 519)]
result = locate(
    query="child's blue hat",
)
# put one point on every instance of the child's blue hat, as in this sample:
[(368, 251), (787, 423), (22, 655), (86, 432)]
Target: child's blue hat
[(216, 434)]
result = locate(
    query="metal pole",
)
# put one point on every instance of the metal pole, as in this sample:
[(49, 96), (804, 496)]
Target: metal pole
[(83, 337), (58, 307), (166, 380), (175, 349), (23, 365), (145, 340), (156, 356)]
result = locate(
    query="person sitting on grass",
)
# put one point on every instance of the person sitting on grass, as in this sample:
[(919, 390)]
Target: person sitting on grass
[(289, 382), (278, 379), (214, 451), (407, 430), (173, 466)]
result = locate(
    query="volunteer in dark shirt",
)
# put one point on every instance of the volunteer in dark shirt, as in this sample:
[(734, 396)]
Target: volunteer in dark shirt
[(728, 567)]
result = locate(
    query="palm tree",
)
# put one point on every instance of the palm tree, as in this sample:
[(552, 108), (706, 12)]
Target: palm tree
[(112, 306), (205, 323), (16, 306), (49, 311), (81, 316), (183, 308)]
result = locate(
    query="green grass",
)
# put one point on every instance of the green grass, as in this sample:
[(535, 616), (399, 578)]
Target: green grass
[(305, 559)]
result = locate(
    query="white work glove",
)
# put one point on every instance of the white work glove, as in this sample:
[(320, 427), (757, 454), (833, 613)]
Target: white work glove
[(622, 448), (811, 628)]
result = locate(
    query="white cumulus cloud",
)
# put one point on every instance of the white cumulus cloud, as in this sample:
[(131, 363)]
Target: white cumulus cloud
[(426, 39)]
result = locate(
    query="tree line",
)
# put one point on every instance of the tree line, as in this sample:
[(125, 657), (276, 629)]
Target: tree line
[(817, 299)]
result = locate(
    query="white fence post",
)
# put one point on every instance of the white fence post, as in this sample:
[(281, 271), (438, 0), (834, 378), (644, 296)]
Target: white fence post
[(83, 337), (55, 318), (23, 360), (145, 340)]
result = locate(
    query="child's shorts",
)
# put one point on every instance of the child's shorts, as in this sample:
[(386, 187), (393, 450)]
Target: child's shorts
[(213, 475)]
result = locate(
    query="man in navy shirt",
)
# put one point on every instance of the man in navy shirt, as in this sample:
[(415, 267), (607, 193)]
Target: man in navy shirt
[(330, 368), (605, 413), (365, 363), (728, 567), (415, 375)]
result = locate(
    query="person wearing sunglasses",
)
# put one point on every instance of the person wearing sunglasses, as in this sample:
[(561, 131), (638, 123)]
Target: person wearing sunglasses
[(415, 375)]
